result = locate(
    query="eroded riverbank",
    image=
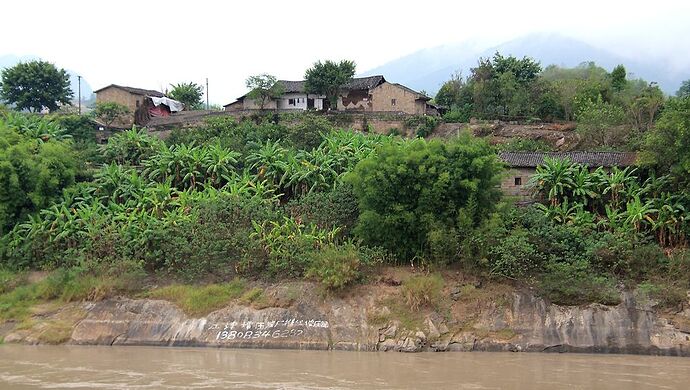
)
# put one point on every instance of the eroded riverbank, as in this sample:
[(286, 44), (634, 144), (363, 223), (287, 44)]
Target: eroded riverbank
[(469, 317)]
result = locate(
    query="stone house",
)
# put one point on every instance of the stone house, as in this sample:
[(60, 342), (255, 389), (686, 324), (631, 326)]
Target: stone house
[(368, 94), (523, 165), (138, 101)]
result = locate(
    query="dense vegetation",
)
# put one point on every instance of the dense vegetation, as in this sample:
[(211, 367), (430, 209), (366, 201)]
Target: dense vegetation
[(291, 196), (611, 111)]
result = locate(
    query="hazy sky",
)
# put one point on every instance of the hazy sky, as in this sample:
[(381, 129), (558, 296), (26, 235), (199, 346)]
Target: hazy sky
[(151, 44)]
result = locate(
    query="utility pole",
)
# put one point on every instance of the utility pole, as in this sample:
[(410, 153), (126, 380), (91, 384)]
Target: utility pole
[(79, 93), (207, 94)]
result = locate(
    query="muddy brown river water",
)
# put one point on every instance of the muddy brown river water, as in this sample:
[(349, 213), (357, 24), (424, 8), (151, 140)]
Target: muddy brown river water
[(56, 367)]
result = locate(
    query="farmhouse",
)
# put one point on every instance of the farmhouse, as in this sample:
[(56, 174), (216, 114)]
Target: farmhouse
[(143, 103), (523, 165), (369, 94)]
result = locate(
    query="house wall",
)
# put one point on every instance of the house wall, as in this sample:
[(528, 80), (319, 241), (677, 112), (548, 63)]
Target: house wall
[(521, 191), (252, 104), (120, 96), (300, 101), (235, 106), (405, 101), (356, 100)]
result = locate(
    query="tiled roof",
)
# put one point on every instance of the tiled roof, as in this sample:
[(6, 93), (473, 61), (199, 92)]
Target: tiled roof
[(355, 83), (364, 82), (591, 159), (292, 86), (136, 91)]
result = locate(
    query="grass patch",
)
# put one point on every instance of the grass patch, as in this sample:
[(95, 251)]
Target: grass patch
[(65, 285), (16, 304), (423, 291), (399, 310), (378, 317), (9, 280), (200, 300), (55, 332), (255, 298)]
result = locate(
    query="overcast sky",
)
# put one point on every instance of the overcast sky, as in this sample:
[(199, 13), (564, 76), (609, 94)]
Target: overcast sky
[(150, 44)]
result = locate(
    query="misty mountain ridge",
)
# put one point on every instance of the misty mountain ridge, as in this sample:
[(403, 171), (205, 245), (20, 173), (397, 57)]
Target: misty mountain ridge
[(10, 60), (428, 69)]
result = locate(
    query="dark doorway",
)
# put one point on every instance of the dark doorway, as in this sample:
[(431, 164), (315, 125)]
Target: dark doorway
[(310, 104), (326, 104)]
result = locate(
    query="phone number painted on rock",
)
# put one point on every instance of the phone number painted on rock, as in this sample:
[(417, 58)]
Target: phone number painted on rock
[(252, 335)]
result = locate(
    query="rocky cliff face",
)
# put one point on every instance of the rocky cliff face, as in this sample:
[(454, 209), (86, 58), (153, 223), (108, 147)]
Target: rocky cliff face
[(521, 322)]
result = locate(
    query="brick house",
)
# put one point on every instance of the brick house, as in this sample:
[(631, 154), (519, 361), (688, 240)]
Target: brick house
[(372, 94), (523, 165), (142, 103)]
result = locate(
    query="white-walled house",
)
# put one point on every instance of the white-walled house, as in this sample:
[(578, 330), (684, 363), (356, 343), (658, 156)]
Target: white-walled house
[(293, 98), (372, 93)]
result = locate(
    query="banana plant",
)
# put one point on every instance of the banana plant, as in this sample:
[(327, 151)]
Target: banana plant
[(638, 212), (554, 178)]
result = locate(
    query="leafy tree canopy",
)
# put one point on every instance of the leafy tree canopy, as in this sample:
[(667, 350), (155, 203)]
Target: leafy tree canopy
[(327, 78), (190, 94), (684, 90), (618, 80), (32, 175), (411, 192), (35, 85), (264, 87), (109, 112), (667, 146)]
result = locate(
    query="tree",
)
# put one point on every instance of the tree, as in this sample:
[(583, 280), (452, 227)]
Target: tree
[(264, 87), (684, 90), (35, 85), (327, 78), (189, 94), (32, 175), (618, 80), (598, 124), (667, 145), (420, 196), (109, 112)]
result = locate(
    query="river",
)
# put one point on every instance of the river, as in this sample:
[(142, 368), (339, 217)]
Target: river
[(56, 367)]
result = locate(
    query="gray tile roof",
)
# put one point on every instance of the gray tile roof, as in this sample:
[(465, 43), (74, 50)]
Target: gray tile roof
[(136, 91), (590, 159), (354, 84)]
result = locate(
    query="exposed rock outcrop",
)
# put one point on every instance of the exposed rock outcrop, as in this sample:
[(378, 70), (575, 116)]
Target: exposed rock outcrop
[(522, 323)]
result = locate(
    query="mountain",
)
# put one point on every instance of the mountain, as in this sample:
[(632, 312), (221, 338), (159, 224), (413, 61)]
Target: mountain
[(10, 60), (428, 69)]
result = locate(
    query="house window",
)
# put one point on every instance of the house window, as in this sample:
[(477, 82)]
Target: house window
[(291, 102), (393, 102), (137, 103), (518, 181)]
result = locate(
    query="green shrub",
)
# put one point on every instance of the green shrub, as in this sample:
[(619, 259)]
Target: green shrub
[(289, 243), (515, 256), (131, 147), (9, 280), (410, 189), (423, 125), (457, 116), (423, 291), (308, 132), (336, 208), (336, 266), (577, 283)]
